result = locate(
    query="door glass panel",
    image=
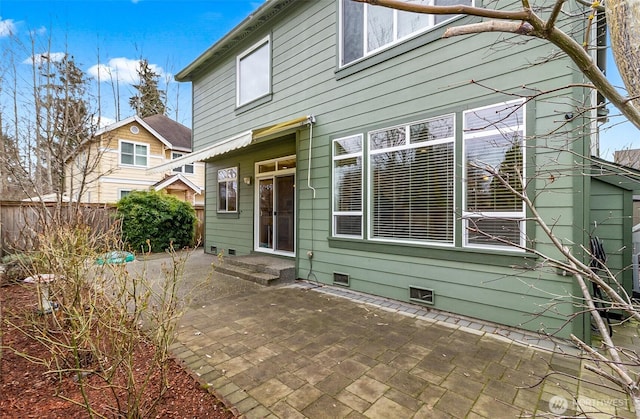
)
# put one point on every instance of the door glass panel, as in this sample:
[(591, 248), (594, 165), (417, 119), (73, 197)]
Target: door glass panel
[(265, 227), (285, 212)]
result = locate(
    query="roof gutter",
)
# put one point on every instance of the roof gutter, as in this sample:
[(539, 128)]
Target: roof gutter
[(187, 73)]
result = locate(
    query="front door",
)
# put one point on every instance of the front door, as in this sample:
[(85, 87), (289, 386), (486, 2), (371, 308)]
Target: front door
[(275, 212)]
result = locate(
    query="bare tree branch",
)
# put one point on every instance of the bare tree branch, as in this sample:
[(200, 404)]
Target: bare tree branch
[(543, 30)]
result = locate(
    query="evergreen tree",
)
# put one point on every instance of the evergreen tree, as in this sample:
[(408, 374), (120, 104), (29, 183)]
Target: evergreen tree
[(149, 99), (64, 104)]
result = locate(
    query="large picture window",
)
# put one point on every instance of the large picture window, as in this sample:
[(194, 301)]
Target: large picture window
[(254, 72), (494, 165), (366, 29), (133, 154), (400, 184), (228, 190), (412, 181), (347, 186)]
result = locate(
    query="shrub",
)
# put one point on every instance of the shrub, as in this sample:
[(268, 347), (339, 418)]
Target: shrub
[(161, 219)]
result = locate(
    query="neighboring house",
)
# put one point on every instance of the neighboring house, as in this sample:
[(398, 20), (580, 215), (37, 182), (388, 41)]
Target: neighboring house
[(116, 162), (354, 140)]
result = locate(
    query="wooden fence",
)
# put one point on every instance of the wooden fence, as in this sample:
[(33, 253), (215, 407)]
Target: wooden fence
[(21, 222)]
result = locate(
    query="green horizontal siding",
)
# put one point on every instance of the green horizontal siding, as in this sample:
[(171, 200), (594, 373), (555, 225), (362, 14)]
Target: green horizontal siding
[(432, 79)]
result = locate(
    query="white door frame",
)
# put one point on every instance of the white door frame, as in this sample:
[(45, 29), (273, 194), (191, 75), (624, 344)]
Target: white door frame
[(272, 169)]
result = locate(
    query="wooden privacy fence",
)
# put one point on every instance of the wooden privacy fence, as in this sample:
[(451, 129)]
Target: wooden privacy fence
[(22, 222)]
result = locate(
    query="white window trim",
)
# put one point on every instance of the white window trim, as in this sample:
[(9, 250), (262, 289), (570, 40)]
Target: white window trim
[(134, 165), (396, 40), (120, 191), (181, 169), (218, 210), (266, 40), (512, 215), (407, 146), (362, 181)]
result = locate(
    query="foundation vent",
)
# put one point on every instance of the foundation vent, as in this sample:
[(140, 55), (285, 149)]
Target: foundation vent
[(232, 252), (341, 279), (421, 295), (214, 249)]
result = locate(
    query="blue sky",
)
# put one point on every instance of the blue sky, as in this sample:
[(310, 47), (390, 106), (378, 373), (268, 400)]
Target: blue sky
[(170, 34)]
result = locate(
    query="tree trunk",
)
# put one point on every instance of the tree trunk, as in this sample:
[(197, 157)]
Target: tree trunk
[(623, 19)]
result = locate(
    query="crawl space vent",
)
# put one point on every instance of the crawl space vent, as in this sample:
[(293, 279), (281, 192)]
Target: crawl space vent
[(421, 295), (341, 279), (232, 252), (214, 249)]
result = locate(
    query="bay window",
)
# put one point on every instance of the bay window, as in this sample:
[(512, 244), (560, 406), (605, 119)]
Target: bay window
[(399, 186)]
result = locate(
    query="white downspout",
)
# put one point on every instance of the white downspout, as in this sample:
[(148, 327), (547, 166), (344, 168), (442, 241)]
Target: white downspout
[(312, 121)]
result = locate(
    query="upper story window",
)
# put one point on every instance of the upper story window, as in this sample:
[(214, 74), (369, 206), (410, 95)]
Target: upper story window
[(134, 154), (366, 29), (187, 168), (254, 72)]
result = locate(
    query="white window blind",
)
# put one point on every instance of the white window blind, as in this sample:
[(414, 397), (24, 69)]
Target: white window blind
[(347, 186), (254, 72), (412, 181), (494, 158)]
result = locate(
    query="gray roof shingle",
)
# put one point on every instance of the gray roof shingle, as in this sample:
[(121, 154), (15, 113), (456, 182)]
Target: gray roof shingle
[(174, 132)]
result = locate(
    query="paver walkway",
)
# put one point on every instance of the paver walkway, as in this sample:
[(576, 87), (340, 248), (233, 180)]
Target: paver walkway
[(302, 351)]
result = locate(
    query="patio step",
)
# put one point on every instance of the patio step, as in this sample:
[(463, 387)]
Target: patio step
[(263, 270)]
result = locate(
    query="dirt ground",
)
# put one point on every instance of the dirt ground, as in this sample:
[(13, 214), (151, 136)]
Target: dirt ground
[(29, 390)]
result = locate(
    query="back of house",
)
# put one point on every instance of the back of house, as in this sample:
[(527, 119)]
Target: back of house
[(356, 141)]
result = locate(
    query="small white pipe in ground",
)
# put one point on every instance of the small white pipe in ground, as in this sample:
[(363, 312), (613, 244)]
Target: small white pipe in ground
[(42, 282)]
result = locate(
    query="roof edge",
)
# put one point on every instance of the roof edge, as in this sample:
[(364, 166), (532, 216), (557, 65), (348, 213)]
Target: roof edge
[(256, 19)]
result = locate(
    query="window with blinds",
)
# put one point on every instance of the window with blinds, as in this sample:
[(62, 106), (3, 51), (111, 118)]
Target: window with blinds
[(412, 181), (347, 186), (493, 166)]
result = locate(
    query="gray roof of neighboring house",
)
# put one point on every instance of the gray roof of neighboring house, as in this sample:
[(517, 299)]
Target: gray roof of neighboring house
[(263, 14), (174, 132)]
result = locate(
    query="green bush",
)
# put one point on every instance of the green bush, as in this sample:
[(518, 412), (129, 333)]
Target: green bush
[(162, 219)]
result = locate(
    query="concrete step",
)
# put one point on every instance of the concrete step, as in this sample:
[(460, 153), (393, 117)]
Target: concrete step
[(264, 270)]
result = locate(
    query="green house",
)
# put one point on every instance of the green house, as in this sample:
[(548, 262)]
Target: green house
[(379, 156)]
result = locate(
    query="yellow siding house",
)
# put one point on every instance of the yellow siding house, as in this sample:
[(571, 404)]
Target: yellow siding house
[(119, 158)]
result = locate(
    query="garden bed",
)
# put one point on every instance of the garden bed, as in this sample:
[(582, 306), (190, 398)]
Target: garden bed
[(28, 389)]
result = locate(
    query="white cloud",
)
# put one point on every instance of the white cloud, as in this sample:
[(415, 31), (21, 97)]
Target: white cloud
[(7, 27), (124, 70), (103, 121), (40, 58)]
